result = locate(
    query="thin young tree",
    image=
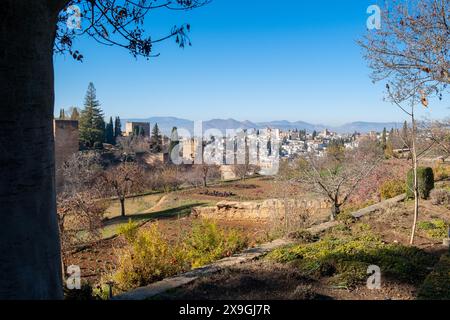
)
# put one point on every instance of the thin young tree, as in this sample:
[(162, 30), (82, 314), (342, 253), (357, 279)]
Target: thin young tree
[(411, 53), (30, 33)]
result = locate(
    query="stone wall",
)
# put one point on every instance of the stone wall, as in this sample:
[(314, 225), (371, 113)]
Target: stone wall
[(66, 144), (260, 211)]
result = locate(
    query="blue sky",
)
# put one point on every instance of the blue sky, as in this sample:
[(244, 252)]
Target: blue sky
[(250, 60)]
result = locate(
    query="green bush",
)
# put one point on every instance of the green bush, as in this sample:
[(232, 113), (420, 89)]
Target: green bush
[(345, 260), (392, 188), (436, 229), (129, 230), (425, 178), (206, 243), (441, 172), (150, 257), (437, 284)]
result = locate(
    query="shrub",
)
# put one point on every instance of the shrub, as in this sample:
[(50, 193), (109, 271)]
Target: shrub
[(206, 243), (425, 178), (148, 258), (392, 188), (436, 229), (440, 197), (437, 284), (441, 172), (346, 259), (129, 231)]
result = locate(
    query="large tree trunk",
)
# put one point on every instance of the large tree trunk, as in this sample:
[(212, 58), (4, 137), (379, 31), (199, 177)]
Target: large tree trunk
[(30, 264)]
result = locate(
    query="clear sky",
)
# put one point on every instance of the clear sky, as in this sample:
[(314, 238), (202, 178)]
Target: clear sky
[(250, 60)]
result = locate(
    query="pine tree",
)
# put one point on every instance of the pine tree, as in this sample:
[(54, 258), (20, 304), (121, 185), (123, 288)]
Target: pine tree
[(117, 128), (156, 139), (92, 124), (109, 135)]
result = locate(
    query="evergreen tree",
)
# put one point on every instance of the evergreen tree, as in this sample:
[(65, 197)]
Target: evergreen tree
[(75, 115), (62, 115), (156, 139), (117, 128), (389, 151), (384, 139), (109, 134), (92, 124)]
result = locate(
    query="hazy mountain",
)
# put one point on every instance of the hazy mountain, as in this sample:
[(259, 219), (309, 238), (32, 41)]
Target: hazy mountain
[(365, 127), (167, 123)]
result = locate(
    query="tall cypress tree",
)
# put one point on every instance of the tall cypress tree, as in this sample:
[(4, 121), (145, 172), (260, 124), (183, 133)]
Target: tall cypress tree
[(156, 139), (109, 135), (62, 115), (92, 124), (117, 128), (384, 139)]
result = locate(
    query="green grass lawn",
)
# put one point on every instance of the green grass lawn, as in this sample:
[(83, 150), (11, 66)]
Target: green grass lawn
[(179, 209), (133, 206)]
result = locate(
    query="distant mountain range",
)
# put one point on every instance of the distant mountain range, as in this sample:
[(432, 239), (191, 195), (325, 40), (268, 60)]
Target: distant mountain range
[(167, 123)]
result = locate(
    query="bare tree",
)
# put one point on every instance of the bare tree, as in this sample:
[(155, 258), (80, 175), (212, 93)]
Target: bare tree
[(133, 144), (207, 172), (31, 31), (169, 177), (337, 175), (411, 53), (123, 180), (79, 211)]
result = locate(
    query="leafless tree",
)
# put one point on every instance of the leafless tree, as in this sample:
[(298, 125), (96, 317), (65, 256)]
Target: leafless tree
[(337, 175), (133, 144), (169, 177), (411, 53), (207, 172), (79, 210), (289, 217), (123, 180)]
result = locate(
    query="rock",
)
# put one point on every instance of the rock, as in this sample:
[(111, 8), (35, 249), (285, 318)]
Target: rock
[(256, 211)]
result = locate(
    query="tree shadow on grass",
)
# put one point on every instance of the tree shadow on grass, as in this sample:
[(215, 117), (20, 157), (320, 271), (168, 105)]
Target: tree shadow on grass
[(171, 213)]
